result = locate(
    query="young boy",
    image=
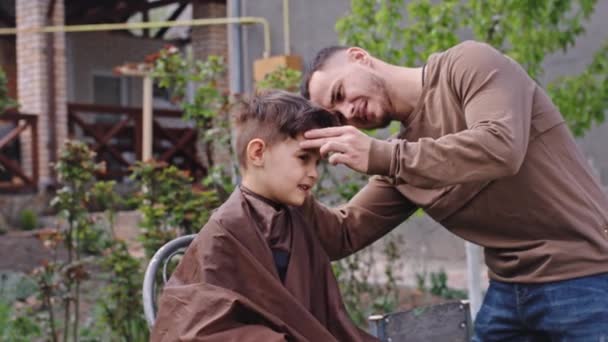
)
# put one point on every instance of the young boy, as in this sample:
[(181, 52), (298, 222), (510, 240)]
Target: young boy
[(257, 271)]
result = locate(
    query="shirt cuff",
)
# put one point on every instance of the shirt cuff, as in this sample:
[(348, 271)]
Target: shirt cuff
[(380, 158)]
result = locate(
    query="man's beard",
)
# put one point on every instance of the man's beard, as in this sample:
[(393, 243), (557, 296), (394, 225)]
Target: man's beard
[(386, 116)]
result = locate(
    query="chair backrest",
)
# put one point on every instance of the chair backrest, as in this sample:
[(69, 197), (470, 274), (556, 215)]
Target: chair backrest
[(160, 259), (447, 322)]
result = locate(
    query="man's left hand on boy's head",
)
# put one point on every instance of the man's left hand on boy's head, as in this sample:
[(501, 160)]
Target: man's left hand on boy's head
[(344, 145)]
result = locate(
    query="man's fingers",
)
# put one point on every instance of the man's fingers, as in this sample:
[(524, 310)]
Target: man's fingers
[(327, 132), (338, 158), (332, 147)]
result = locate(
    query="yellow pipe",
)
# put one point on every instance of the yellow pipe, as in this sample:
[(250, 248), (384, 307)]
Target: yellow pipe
[(148, 25)]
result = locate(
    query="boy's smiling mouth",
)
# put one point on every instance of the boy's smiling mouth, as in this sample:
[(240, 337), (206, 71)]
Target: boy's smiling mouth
[(304, 187)]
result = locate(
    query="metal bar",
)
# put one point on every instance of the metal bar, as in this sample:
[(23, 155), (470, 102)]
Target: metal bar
[(473, 253), (148, 25), (147, 119), (286, 38), (377, 326)]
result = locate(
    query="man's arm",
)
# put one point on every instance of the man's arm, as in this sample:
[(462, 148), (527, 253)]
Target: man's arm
[(497, 97), (373, 212)]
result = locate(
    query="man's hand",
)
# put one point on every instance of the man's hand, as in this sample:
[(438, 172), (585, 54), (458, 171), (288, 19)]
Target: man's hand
[(346, 144)]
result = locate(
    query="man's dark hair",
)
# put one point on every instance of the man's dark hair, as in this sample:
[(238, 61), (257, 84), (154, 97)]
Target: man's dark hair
[(274, 116), (317, 64)]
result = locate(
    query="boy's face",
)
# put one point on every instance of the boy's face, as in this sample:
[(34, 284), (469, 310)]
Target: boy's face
[(288, 172)]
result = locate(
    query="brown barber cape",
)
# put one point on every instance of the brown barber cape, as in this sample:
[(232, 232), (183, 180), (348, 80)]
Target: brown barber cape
[(227, 287)]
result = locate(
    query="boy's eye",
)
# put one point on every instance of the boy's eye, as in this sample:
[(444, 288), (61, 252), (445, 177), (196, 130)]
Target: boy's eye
[(304, 157)]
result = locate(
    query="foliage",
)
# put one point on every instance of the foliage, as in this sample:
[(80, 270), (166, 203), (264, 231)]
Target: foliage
[(121, 300), (16, 327), (281, 78), (76, 170), (108, 200), (28, 219), (169, 205), (16, 286), (208, 107), (583, 99), (527, 31), (173, 72), (361, 296), (120, 309), (6, 102), (438, 285)]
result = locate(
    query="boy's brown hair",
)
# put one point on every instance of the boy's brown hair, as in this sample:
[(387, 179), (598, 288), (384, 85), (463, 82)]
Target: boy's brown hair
[(274, 116)]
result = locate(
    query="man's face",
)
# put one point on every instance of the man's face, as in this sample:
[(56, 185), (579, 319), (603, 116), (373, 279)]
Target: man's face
[(352, 90), (289, 172)]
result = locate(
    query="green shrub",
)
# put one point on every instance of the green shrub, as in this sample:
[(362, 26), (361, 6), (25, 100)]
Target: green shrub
[(16, 286), (16, 328), (28, 219)]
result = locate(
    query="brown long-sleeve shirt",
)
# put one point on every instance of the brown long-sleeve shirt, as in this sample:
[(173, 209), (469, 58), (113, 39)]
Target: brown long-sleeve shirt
[(486, 154)]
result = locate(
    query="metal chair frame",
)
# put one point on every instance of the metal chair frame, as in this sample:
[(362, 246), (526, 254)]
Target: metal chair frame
[(162, 256)]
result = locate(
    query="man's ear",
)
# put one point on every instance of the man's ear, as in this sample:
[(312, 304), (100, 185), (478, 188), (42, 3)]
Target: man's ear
[(358, 55), (255, 152)]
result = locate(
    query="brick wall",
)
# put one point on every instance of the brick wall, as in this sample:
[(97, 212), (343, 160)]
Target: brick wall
[(213, 39), (33, 89), (32, 78)]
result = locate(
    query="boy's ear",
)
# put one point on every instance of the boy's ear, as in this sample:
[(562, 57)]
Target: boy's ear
[(255, 152)]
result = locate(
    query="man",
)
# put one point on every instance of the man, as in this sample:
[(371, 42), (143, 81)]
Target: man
[(483, 151)]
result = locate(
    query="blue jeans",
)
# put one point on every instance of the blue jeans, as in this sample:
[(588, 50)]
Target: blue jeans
[(569, 310)]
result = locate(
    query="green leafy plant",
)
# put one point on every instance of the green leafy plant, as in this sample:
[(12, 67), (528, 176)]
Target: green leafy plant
[(28, 219), (121, 303), (16, 286), (17, 327), (281, 78), (6, 102), (208, 108), (169, 205), (76, 169), (438, 285)]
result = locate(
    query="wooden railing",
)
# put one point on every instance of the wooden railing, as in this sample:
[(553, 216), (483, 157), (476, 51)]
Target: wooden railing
[(14, 174), (115, 134)]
